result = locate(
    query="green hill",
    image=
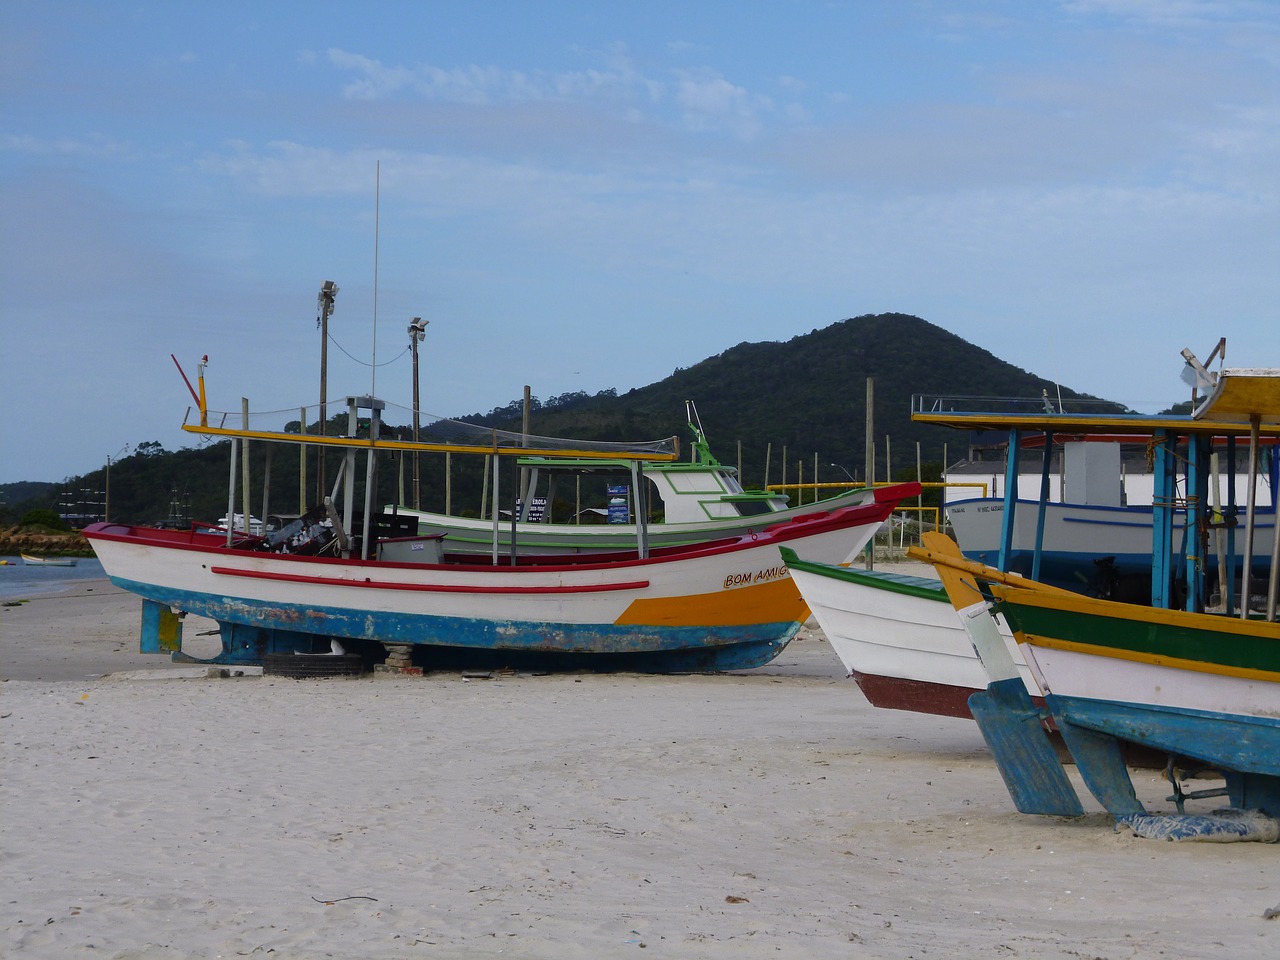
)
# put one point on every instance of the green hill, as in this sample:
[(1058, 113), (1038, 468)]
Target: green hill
[(805, 397), (809, 395)]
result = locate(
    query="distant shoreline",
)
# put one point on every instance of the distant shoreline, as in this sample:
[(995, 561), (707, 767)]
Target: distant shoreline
[(42, 543)]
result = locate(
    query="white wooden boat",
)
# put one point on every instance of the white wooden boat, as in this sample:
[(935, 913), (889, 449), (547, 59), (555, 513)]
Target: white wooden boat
[(697, 502), (1105, 550), (722, 604), (898, 636), (47, 561), (1203, 688), (726, 604)]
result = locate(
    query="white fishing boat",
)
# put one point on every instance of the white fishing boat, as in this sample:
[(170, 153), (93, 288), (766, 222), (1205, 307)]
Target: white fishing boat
[(727, 604), (1084, 519), (722, 604), (897, 635), (1201, 687), (1094, 548)]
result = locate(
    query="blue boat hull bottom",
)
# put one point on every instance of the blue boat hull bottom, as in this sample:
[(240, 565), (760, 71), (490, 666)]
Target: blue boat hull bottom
[(1010, 723), (1244, 750), (451, 643)]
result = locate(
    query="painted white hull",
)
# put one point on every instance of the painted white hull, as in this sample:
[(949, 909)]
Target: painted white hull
[(1191, 684), (721, 600), (1075, 533), (1086, 676), (1069, 528), (907, 651)]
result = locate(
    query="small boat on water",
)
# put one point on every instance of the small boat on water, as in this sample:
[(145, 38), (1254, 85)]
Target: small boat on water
[(31, 561)]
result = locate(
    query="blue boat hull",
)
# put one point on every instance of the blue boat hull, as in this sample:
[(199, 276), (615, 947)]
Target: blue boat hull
[(1244, 749), (251, 629)]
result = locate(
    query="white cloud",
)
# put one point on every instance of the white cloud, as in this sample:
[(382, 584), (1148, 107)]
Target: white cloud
[(1157, 11), (88, 147), (710, 102), (704, 99), (487, 84)]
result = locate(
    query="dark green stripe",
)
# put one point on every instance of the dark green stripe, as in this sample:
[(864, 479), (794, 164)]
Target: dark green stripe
[(1184, 641), (922, 587)]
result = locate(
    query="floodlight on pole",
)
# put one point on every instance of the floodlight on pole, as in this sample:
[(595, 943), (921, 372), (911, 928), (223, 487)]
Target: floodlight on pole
[(417, 333), (324, 304)]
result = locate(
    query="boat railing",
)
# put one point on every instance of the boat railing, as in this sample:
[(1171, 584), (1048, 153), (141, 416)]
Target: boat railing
[(1045, 403)]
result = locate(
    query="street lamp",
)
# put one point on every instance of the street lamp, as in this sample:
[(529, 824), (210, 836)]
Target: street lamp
[(417, 332), (842, 468)]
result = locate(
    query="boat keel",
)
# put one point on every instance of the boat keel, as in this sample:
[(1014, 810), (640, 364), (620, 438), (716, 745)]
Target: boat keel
[(1011, 726), (1100, 760)]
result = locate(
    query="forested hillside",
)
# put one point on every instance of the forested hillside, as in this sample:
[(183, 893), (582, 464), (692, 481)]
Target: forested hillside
[(804, 399), (809, 395)]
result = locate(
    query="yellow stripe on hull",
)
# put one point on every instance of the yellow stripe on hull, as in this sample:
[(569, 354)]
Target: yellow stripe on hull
[(773, 601)]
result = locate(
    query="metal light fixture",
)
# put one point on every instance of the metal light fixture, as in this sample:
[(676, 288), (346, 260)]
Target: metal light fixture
[(324, 303), (417, 333)]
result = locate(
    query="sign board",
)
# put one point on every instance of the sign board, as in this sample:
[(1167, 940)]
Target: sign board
[(619, 503)]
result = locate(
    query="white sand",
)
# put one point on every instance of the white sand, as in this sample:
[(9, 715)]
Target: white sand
[(770, 813)]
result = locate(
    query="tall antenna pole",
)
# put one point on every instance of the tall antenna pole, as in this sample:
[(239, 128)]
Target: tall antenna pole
[(377, 207), (871, 458)]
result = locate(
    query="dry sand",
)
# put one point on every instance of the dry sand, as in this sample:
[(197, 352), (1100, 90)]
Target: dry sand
[(767, 813)]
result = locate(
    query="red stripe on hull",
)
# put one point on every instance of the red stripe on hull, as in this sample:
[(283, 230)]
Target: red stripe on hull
[(426, 588)]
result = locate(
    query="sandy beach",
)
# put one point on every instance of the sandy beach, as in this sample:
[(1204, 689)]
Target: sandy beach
[(148, 810)]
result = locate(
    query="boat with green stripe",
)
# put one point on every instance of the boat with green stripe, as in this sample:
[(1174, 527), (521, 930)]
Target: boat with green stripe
[(1200, 685), (897, 636)]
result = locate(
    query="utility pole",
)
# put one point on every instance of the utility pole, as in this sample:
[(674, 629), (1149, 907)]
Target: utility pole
[(417, 332), (106, 503), (324, 302), (871, 459)]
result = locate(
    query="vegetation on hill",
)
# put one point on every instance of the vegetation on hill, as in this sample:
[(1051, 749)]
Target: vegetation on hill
[(773, 409), (809, 395)]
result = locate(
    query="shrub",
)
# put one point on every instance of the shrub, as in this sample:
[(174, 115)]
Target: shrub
[(44, 518)]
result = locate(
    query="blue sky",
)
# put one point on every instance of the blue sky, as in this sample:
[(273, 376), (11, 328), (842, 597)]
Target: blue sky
[(589, 195)]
